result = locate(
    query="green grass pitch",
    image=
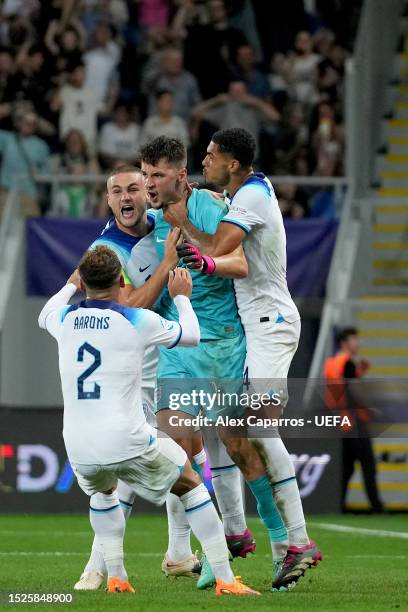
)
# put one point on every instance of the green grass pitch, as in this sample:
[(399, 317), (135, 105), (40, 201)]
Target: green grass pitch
[(360, 571)]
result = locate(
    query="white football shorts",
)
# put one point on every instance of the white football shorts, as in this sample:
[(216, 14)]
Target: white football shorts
[(270, 350), (150, 475)]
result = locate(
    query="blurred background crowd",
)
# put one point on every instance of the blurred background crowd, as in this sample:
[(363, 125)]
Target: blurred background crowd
[(83, 83)]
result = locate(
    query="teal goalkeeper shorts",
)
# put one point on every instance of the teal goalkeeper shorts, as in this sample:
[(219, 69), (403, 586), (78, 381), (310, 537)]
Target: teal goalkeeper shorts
[(206, 378)]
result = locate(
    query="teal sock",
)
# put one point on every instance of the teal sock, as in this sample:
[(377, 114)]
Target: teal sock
[(267, 509), (197, 468)]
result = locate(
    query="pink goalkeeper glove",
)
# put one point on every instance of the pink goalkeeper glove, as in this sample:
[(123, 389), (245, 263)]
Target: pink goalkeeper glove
[(191, 256)]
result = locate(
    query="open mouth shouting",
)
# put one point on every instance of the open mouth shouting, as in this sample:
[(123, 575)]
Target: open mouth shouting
[(127, 212), (154, 199)]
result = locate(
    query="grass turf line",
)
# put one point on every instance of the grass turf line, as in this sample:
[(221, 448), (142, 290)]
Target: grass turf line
[(359, 573)]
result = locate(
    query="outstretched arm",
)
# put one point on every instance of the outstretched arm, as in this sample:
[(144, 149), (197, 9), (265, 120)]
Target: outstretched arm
[(146, 295)]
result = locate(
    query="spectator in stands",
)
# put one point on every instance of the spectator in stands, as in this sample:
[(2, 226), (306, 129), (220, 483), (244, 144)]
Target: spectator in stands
[(291, 138), (45, 128), (278, 80), (164, 122), (237, 107), (154, 13), (331, 75), (78, 106), (75, 152), (341, 17), (60, 12), (323, 41), (245, 70), (171, 76), (7, 88), (22, 8), (32, 78), (293, 201), (17, 32), (66, 49), (119, 139), (101, 62), (302, 70), (74, 199), (214, 33), (116, 12), (327, 141), (23, 156), (221, 51)]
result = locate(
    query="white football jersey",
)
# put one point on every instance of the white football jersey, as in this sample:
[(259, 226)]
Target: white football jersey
[(264, 292), (139, 260), (101, 345)]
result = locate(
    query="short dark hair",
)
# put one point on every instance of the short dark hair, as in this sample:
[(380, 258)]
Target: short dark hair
[(74, 65), (124, 169), (238, 143), (171, 150), (162, 92), (345, 333), (100, 268)]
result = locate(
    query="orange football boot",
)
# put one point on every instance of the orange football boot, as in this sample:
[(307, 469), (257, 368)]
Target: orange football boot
[(234, 588), (115, 585)]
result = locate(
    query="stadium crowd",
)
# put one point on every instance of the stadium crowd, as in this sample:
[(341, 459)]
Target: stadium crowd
[(84, 83)]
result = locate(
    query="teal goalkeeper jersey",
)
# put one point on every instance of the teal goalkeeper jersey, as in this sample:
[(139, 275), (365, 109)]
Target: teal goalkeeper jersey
[(213, 297)]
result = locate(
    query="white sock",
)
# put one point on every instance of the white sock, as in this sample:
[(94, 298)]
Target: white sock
[(226, 480), (108, 523), (228, 491), (285, 488), (200, 459), (207, 528), (126, 496), (179, 547), (95, 561)]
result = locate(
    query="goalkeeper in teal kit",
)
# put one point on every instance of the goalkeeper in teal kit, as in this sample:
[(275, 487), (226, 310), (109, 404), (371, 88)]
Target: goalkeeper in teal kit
[(221, 353), (218, 362)]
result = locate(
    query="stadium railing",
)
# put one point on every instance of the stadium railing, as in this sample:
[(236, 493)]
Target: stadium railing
[(338, 184)]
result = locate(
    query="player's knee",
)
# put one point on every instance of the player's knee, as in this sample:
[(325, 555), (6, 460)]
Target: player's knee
[(189, 479)]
